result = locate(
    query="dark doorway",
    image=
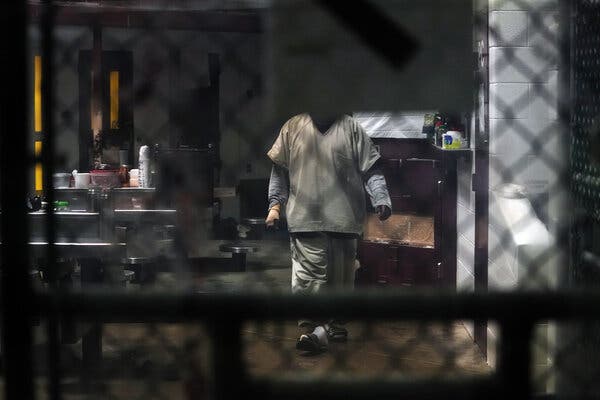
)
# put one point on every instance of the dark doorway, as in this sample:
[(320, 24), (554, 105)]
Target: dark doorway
[(194, 112), (117, 128)]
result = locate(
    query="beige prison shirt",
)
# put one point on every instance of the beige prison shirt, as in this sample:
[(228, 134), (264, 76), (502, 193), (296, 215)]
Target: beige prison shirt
[(326, 174)]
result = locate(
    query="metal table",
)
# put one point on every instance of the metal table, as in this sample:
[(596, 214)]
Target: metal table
[(91, 249)]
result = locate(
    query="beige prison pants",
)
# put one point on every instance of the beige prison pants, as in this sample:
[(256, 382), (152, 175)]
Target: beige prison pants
[(322, 260)]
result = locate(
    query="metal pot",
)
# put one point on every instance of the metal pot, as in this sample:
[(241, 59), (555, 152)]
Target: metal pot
[(61, 180)]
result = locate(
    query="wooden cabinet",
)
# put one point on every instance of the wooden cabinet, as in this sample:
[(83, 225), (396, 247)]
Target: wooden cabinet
[(422, 185), (398, 265)]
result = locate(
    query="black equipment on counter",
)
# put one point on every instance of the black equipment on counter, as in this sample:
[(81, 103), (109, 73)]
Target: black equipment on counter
[(34, 203)]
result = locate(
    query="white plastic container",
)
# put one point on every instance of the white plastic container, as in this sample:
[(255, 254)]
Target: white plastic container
[(134, 176), (452, 140), (144, 164)]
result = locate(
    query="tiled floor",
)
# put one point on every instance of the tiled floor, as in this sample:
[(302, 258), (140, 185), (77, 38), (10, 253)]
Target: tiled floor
[(174, 357), (386, 347)]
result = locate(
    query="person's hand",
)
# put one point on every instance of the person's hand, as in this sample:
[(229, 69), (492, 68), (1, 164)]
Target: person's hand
[(384, 212), (273, 216)]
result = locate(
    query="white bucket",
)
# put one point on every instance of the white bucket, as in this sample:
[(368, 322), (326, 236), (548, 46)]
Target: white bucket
[(82, 180)]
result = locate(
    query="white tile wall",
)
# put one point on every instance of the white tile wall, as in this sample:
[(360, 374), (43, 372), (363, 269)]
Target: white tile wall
[(537, 5), (543, 33), (511, 166), (537, 174), (465, 252), (464, 277), (465, 227), (508, 28), (501, 277), (465, 196), (495, 177), (510, 135), (503, 137), (543, 98), (523, 101), (518, 64), (465, 220), (496, 246), (509, 100)]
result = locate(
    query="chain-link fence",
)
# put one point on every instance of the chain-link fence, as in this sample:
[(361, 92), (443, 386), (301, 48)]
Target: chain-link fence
[(482, 282)]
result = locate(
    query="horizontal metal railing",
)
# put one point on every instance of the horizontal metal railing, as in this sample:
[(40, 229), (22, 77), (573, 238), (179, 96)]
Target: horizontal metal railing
[(118, 306), (515, 313)]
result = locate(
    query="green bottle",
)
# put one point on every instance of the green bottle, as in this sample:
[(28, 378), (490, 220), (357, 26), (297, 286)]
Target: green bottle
[(61, 205)]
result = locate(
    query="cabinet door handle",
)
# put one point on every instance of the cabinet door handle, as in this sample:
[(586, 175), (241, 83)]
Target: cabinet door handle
[(438, 271), (440, 187)]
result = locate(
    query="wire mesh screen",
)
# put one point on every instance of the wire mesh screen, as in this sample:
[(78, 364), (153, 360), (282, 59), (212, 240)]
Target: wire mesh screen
[(584, 166), (584, 149), (155, 189)]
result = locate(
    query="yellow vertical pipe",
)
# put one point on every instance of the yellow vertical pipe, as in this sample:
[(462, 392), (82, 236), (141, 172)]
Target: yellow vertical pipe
[(39, 186), (37, 94), (114, 99)]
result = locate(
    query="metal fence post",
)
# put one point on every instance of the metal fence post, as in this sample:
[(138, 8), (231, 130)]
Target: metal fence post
[(16, 286), (229, 373), (514, 359), (47, 45)]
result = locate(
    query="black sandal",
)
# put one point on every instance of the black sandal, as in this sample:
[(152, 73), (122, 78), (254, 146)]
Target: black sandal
[(337, 333), (310, 343)]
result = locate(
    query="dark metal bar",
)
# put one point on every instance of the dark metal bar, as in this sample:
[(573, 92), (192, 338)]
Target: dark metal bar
[(475, 388), (16, 286), (481, 183), (514, 359), (229, 375), (47, 46), (91, 342), (566, 103), (565, 113), (361, 305), (122, 17), (449, 218)]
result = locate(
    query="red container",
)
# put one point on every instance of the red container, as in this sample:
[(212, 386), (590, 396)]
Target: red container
[(105, 178)]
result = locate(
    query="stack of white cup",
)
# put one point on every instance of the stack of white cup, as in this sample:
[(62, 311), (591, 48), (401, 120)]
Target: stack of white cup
[(144, 163)]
